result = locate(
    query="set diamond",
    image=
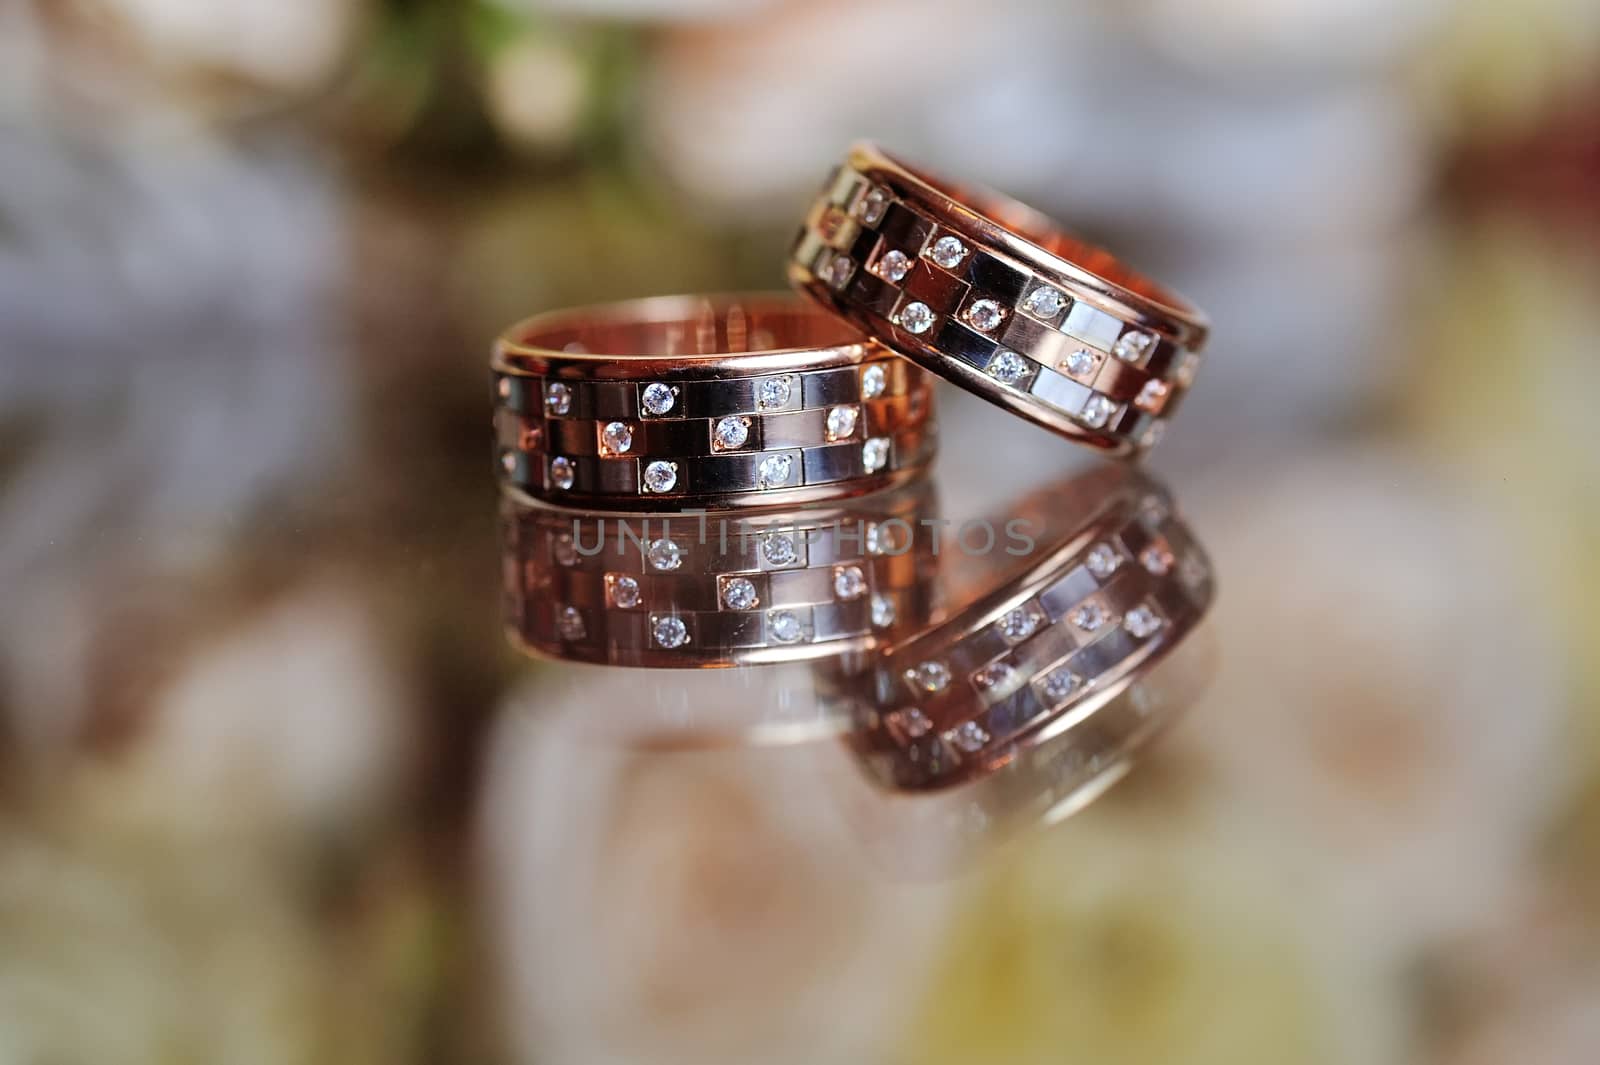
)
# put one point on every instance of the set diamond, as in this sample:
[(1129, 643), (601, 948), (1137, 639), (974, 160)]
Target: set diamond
[(775, 470), (562, 473), (1132, 345), (779, 549), (557, 398), (569, 623), (893, 266), (739, 593), (657, 398), (849, 583), (774, 393), (660, 476), (985, 315), (929, 677), (1142, 621), (1044, 302), (1007, 367), (731, 433), (841, 423), (1103, 560), (875, 454), (624, 592), (948, 252), (915, 317), (969, 736), (617, 437), (785, 626), (664, 555), (873, 381), (669, 631)]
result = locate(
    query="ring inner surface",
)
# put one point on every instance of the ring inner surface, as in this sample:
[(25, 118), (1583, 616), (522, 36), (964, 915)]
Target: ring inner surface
[(714, 328)]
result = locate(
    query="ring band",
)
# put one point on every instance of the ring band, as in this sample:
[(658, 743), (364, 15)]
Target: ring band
[(691, 590), (987, 293), (713, 401), (1045, 650)]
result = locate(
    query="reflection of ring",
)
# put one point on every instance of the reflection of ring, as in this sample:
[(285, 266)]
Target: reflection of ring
[(1043, 652), (704, 401), (702, 590), (984, 291)]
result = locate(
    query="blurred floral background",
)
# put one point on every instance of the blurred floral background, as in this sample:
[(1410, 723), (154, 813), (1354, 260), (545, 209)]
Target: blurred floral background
[(273, 788)]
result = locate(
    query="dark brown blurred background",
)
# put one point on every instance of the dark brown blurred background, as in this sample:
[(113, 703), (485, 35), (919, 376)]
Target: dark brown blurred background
[(272, 787)]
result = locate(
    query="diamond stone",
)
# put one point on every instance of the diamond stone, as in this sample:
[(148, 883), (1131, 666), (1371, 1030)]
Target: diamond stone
[(739, 593), (618, 437), (1044, 302), (1153, 396), (773, 393), (1089, 616), (1156, 559), (930, 677), (502, 388), (732, 432), (841, 422), (625, 592), (915, 318), (569, 623), (838, 270), (562, 473), (566, 553), (1132, 345), (1060, 683), (557, 398), (1007, 367), (968, 736), (775, 469), (984, 315), (664, 555), (869, 209), (893, 266), (660, 476), (883, 612), (508, 461), (657, 398), (875, 454), (1097, 411), (1019, 624), (779, 549), (873, 381), (848, 583), (913, 722), (1142, 622), (1080, 363), (1187, 368), (785, 626), (1103, 560), (948, 252), (670, 631), (993, 675)]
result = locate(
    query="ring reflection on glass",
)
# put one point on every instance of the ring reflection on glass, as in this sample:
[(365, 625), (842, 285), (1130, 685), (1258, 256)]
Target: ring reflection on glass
[(1041, 650), (996, 298), (715, 401), (708, 590)]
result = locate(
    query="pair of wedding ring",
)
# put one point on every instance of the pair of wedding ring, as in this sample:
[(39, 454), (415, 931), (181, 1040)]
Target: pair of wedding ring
[(724, 401)]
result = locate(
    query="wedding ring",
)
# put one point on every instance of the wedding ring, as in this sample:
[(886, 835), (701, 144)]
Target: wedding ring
[(709, 589), (715, 401), (991, 295), (1117, 582)]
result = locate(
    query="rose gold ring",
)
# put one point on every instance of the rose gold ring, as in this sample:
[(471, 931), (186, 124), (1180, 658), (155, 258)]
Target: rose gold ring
[(991, 295), (1118, 581), (709, 589), (709, 401)]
